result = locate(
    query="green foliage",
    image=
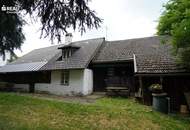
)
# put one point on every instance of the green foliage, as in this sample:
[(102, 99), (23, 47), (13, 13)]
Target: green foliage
[(155, 86), (175, 22)]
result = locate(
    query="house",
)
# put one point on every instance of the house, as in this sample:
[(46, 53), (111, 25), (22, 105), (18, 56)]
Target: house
[(79, 68)]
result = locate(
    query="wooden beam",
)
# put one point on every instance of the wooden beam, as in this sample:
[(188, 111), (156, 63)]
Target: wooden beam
[(135, 63), (31, 87), (161, 81), (141, 86)]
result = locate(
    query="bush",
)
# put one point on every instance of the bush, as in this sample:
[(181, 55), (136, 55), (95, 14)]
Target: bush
[(156, 88)]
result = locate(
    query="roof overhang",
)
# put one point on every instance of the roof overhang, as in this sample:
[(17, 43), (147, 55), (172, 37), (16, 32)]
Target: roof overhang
[(69, 47), (23, 67)]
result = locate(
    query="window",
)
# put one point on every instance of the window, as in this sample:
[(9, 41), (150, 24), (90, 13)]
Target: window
[(66, 53), (65, 77)]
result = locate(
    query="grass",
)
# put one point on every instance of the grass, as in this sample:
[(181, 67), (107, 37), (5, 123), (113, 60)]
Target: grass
[(27, 113)]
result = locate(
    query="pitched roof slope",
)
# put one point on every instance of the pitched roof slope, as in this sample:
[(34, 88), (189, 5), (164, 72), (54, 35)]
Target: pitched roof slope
[(46, 58), (157, 64), (38, 55), (32, 61), (123, 50), (80, 59), (151, 55), (23, 67)]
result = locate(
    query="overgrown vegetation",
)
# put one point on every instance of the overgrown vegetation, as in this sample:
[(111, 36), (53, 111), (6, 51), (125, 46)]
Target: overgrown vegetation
[(175, 22), (28, 113)]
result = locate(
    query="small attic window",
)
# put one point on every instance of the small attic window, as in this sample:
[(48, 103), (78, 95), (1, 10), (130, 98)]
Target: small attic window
[(67, 51)]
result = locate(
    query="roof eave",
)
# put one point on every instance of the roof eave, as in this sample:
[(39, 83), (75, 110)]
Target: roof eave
[(163, 74)]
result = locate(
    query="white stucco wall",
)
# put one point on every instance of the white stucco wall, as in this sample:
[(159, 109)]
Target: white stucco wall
[(22, 87), (80, 83), (87, 82)]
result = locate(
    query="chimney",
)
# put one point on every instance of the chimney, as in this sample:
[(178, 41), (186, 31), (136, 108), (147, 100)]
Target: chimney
[(68, 38)]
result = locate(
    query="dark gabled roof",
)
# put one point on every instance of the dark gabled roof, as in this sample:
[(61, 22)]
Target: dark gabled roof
[(123, 50), (80, 59), (151, 55), (46, 58), (156, 64)]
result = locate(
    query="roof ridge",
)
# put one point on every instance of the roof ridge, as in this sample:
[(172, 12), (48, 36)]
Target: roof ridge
[(46, 47), (70, 43), (130, 39), (88, 39)]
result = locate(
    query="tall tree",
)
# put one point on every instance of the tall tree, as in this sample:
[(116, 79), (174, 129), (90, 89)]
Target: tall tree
[(56, 17), (11, 35), (175, 22)]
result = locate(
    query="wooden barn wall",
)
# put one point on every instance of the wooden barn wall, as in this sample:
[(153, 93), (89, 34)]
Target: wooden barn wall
[(26, 77), (174, 86), (121, 72)]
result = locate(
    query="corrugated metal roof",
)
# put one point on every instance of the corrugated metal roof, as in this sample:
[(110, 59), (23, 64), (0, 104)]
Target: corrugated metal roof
[(23, 67), (38, 55)]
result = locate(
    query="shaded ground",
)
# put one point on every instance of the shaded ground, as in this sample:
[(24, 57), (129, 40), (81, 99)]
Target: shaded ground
[(31, 112)]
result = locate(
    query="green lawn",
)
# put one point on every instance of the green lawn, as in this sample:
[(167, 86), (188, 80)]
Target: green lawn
[(26, 112)]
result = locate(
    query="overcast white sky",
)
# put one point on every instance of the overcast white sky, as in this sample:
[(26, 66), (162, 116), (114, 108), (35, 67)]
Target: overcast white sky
[(124, 19)]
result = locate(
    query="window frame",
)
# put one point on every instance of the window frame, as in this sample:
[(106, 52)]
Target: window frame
[(65, 77)]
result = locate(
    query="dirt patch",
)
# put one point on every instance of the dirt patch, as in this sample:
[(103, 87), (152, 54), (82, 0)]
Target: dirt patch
[(76, 99)]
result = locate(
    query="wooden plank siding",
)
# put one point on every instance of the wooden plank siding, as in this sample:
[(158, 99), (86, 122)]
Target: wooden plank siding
[(174, 86), (113, 75), (26, 77)]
